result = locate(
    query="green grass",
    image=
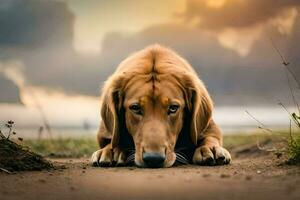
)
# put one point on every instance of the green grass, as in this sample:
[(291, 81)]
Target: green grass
[(294, 150), (84, 147), (294, 142), (63, 147), (81, 147), (282, 141), (235, 140)]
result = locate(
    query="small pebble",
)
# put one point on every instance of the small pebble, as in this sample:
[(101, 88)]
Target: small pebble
[(248, 178), (206, 175), (225, 176), (42, 180)]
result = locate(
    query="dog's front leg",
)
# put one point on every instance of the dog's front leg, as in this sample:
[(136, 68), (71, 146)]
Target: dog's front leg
[(210, 150), (108, 157)]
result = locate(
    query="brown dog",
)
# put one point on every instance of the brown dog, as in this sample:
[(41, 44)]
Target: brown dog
[(155, 111)]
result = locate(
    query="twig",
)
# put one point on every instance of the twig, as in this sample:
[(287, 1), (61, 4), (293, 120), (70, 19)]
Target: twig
[(292, 92), (285, 63), (9, 132), (290, 115), (263, 127), (263, 148), (42, 114), (5, 170)]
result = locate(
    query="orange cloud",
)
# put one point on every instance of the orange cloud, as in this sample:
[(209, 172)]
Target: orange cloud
[(238, 24), (234, 13)]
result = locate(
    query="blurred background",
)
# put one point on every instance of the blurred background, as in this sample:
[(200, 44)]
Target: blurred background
[(56, 54)]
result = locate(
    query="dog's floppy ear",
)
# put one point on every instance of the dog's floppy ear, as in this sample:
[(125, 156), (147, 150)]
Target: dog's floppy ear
[(110, 108), (200, 106)]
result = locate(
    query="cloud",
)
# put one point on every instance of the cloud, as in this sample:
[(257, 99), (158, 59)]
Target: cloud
[(240, 40), (35, 23), (231, 63), (13, 70), (96, 18), (220, 14), (238, 24), (9, 91), (9, 88), (255, 77)]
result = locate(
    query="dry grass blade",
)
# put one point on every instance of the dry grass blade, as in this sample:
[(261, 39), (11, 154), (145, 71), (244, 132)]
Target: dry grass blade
[(290, 114), (262, 126), (285, 63), (292, 92), (264, 148)]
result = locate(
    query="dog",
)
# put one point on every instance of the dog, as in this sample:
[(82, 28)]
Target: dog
[(156, 112)]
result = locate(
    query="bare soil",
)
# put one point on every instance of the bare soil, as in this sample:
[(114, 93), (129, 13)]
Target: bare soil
[(253, 174)]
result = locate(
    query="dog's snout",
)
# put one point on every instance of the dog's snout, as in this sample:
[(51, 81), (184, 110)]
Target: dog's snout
[(154, 159)]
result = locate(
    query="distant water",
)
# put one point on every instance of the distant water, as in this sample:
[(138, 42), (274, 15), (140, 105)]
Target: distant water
[(85, 124)]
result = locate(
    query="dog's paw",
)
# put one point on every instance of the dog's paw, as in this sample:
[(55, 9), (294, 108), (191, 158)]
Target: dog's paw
[(215, 155), (107, 157)]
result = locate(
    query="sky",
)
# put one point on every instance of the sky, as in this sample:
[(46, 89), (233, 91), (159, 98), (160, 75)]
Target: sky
[(236, 23), (58, 53), (96, 18)]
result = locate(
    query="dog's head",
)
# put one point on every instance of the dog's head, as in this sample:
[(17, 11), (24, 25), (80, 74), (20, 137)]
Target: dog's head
[(152, 97)]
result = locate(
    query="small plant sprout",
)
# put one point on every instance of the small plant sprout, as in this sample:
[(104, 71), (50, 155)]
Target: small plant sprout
[(9, 125), (296, 119)]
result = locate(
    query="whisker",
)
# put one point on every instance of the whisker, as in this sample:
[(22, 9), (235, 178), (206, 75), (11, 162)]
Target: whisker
[(181, 155), (130, 158), (180, 162), (181, 152), (130, 150), (129, 161), (181, 158)]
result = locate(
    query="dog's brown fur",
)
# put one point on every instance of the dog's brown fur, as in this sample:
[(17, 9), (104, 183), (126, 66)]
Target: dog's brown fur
[(156, 78)]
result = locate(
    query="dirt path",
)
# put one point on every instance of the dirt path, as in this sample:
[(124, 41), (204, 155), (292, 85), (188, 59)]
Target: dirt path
[(246, 178)]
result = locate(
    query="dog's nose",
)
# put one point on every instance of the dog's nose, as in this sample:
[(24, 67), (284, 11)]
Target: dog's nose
[(153, 159)]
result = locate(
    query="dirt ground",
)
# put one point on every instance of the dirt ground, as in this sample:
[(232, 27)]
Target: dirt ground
[(251, 175)]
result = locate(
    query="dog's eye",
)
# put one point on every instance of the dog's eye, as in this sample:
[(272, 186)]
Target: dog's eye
[(173, 109), (136, 108)]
